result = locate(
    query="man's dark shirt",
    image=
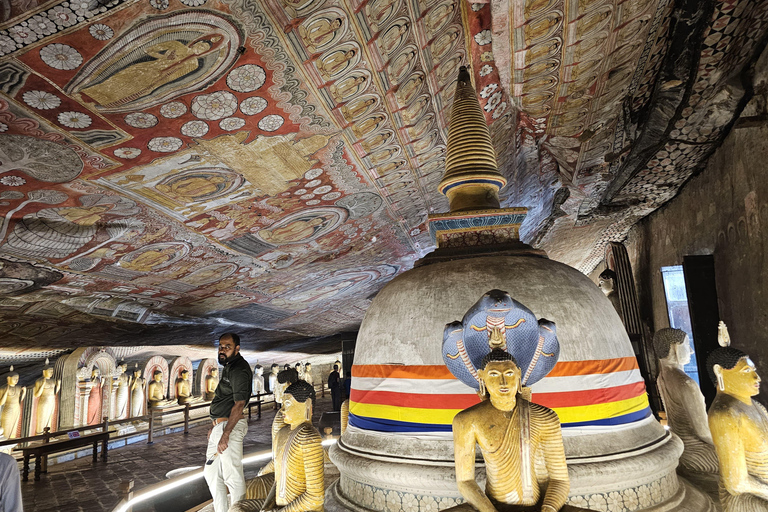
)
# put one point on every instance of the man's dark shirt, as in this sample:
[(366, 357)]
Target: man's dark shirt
[(234, 386), (334, 382)]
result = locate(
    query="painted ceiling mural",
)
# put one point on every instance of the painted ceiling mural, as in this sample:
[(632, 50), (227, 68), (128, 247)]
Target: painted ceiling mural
[(170, 168)]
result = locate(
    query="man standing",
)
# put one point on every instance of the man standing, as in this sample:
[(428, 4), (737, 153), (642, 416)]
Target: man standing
[(334, 384), (224, 457)]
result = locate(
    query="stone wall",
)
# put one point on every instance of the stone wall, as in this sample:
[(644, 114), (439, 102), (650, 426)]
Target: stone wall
[(723, 211)]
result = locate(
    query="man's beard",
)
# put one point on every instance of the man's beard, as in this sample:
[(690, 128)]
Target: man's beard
[(223, 359)]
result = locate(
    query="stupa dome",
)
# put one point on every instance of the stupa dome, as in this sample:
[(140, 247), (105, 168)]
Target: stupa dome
[(402, 333)]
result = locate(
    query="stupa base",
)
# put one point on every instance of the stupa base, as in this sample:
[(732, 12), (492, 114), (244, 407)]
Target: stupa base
[(644, 479)]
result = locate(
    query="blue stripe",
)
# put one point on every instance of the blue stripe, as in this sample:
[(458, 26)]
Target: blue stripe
[(618, 420), (381, 425), (499, 183)]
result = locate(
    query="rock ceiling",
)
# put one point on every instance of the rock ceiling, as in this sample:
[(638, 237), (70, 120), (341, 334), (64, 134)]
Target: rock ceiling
[(171, 168)]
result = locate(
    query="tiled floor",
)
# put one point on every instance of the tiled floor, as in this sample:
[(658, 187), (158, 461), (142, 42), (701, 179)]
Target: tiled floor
[(81, 486)]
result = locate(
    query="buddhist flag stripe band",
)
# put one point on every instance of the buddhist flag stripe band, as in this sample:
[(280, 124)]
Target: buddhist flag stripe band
[(425, 398)]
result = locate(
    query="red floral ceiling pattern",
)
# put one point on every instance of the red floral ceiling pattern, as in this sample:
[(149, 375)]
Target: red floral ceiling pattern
[(171, 168)]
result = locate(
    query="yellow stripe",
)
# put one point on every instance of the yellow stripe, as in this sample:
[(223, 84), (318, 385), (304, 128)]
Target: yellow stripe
[(601, 411), (409, 414), (445, 416)]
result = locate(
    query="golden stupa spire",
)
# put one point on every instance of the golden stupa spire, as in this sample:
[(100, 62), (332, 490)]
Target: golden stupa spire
[(472, 180)]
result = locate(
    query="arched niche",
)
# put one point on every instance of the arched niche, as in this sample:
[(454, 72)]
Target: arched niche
[(203, 371), (155, 363), (177, 365), (74, 371)]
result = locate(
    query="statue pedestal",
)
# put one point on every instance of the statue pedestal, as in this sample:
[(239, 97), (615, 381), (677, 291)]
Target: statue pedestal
[(641, 480)]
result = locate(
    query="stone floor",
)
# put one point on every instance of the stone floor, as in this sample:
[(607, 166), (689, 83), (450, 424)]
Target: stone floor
[(81, 486)]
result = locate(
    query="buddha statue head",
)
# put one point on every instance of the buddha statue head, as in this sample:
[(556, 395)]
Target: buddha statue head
[(500, 379), (732, 370), (157, 376), (297, 406), (275, 369), (607, 281), (184, 374), (307, 367), (215, 373), (122, 367), (259, 370), (95, 373), (137, 371), (12, 378), (47, 370), (672, 347)]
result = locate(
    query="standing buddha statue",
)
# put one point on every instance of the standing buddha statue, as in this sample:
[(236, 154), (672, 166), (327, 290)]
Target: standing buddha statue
[(45, 391), (137, 392), (739, 426), (258, 380), (11, 397), (122, 383)]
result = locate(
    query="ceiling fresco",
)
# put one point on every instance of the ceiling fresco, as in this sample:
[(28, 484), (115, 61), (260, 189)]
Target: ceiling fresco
[(173, 168)]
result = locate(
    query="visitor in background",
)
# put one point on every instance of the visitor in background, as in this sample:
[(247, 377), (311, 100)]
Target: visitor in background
[(334, 384), (224, 457), (10, 485)]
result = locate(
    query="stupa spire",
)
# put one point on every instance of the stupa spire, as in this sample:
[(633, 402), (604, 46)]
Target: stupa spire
[(472, 179)]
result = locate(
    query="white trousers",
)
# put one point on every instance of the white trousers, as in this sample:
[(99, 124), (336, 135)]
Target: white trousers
[(226, 472), (10, 485)]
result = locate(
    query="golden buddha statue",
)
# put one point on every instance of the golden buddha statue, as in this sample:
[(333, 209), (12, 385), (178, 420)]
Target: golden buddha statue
[(211, 381), (683, 402), (45, 391), (512, 434), (298, 479), (739, 427), (156, 397), (11, 397), (184, 389)]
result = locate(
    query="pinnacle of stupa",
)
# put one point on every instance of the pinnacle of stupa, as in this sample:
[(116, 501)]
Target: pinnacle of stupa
[(472, 179)]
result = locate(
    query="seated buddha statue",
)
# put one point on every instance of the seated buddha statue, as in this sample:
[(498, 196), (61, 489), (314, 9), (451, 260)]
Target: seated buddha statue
[(211, 382), (297, 473), (155, 395), (739, 427), (512, 434), (184, 389), (684, 403)]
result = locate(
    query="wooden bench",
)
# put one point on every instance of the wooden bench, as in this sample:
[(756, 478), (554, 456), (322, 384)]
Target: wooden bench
[(42, 450)]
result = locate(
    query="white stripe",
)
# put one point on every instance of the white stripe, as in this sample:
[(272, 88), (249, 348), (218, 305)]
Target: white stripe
[(416, 386), (586, 382)]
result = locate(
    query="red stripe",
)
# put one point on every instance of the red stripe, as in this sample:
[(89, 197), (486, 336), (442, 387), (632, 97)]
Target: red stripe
[(399, 371), (589, 397), (418, 401), (573, 368)]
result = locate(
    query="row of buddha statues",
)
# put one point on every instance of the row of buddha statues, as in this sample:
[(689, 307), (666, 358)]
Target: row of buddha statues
[(97, 392)]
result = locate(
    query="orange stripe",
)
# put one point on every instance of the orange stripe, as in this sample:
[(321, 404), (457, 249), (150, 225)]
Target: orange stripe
[(561, 369), (398, 371), (574, 368)]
